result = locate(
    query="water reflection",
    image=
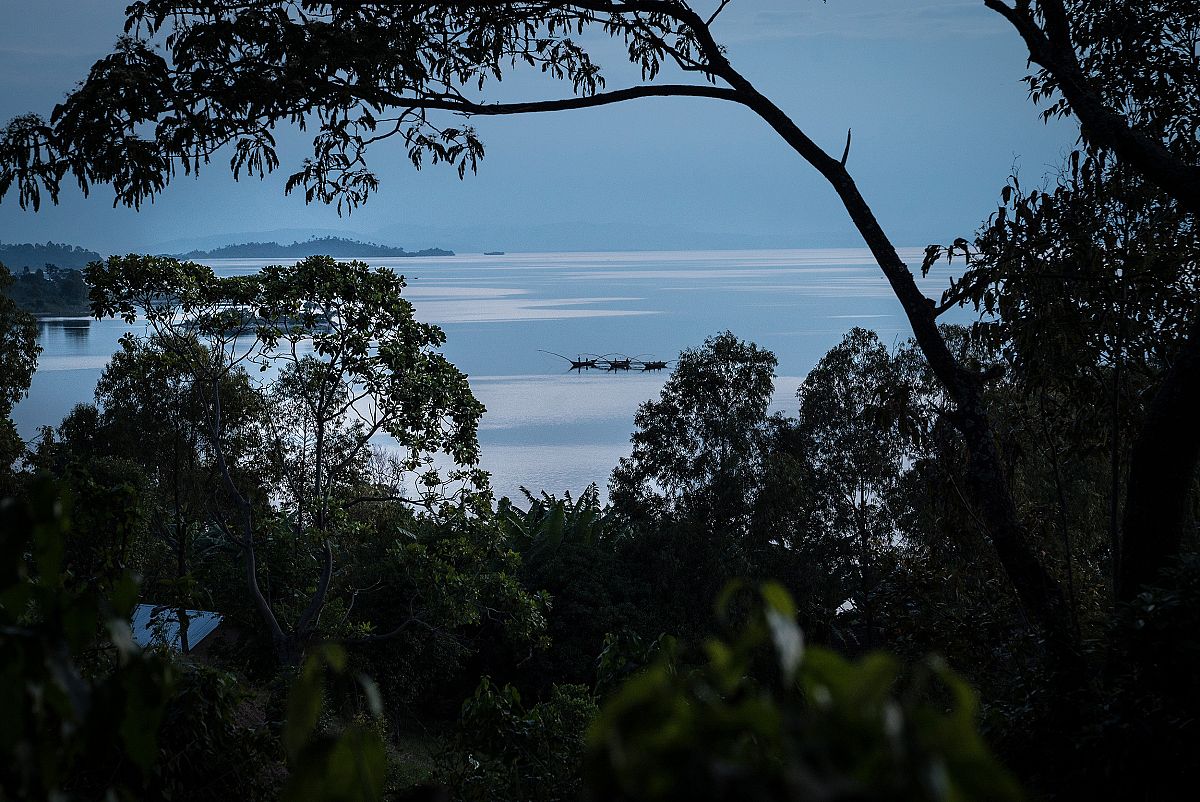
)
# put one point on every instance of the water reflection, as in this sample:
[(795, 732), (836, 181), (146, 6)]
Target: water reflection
[(64, 337), (71, 326)]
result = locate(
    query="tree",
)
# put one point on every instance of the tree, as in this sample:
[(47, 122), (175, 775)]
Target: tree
[(699, 449), (18, 359), (1090, 289), (849, 433), (353, 359), (1127, 72), (717, 489), (153, 412)]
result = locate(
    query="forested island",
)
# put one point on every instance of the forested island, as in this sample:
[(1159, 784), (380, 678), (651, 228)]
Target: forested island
[(337, 247), (17, 257), (264, 563)]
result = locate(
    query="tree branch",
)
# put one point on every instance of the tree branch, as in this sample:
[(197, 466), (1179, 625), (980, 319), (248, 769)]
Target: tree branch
[(1052, 50), (469, 108)]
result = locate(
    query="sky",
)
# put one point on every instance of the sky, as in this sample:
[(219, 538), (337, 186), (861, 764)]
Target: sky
[(931, 88)]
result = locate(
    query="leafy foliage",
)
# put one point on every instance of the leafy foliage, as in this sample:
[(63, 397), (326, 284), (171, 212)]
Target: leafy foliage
[(70, 726), (698, 449), (568, 549), (214, 742), (1096, 270), (552, 522), (361, 329), (1149, 717), (18, 359), (511, 752), (853, 407), (348, 362), (1140, 58), (227, 75)]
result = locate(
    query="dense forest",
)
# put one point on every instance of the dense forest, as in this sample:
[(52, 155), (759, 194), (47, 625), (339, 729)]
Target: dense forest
[(338, 247), (963, 567), (46, 291)]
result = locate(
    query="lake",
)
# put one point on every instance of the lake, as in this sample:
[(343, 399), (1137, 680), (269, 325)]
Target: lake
[(546, 428)]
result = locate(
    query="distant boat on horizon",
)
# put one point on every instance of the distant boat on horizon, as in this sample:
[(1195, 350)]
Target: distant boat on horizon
[(493, 253)]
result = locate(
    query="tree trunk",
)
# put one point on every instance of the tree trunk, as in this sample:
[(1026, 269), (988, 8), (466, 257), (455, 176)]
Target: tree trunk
[(1162, 472), (246, 513), (289, 651)]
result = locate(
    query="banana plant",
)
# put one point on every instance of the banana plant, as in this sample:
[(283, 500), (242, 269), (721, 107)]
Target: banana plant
[(548, 522)]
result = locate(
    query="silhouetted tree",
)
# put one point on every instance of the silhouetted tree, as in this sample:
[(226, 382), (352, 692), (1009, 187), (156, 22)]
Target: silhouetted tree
[(699, 450), (849, 432), (1128, 72)]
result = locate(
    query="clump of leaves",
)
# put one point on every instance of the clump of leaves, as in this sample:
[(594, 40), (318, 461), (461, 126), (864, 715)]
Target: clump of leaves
[(626, 653), (213, 743), (764, 718), (332, 762)]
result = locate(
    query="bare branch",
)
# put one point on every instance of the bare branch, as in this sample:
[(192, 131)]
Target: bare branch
[(716, 13)]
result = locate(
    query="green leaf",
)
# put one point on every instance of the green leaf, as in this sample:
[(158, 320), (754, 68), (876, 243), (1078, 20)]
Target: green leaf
[(778, 599)]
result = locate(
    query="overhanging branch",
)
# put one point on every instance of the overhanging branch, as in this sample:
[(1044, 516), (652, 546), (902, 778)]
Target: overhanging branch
[(470, 109)]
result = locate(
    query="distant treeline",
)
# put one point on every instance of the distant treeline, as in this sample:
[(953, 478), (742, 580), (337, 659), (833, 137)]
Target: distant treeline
[(338, 247), (34, 255), (49, 291)]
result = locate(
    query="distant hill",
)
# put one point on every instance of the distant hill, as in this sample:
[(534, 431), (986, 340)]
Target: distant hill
[(338, 247), (32, 255)]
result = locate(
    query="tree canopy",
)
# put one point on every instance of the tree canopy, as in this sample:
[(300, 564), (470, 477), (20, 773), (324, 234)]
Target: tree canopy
[(188, 80), (347, 362)]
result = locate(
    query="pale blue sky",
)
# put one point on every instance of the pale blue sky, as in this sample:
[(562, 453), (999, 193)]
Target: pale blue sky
[(932, 89)]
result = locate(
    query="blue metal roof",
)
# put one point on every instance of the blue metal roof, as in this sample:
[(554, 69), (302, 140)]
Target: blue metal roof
[(159, 626)]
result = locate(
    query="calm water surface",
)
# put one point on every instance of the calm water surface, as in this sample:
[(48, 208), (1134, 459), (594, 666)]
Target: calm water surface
[(546, 428)]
